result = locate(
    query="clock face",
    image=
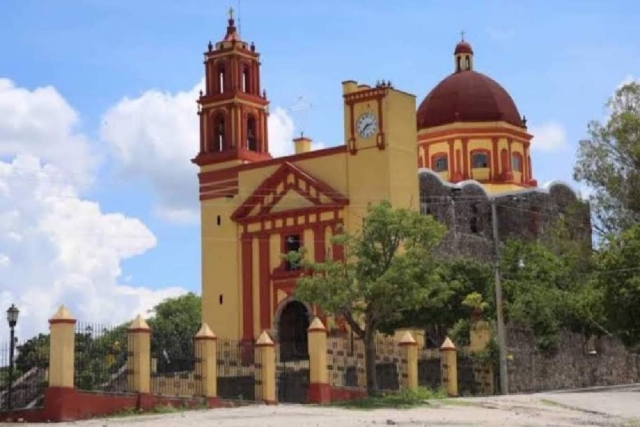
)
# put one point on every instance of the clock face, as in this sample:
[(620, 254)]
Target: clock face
[(367, 125)]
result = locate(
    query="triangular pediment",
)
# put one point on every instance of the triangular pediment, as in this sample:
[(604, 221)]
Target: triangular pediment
[(289, 188)]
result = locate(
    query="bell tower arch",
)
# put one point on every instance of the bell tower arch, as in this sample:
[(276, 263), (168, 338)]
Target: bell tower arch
[(233, 108)]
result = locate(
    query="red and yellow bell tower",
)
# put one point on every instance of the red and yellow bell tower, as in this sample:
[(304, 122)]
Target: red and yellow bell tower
[(233, 110)]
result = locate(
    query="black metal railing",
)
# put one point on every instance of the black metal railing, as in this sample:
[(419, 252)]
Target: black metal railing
[(101, 353), (292, 372), (173, 370), (429, 371), (24, 386), (236, 369)]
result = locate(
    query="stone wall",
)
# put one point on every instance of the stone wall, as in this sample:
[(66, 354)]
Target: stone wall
[(577, 363), (524, 214)]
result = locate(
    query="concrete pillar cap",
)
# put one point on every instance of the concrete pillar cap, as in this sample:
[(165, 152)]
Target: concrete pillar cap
[(205, 332), (407, 339), (139, 324), (62, 314), (264, 339), (317, 326), (447, 344)]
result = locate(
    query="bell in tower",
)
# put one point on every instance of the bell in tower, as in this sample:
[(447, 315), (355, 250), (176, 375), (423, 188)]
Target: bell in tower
[(233, 109)]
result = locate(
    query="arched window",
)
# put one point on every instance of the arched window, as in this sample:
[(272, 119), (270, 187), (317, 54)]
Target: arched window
[(459, 63), (252, 138), (440, 163), (245, 79), (219, 133), (516, 162), (467, 63), (221, 78), (480, 160)]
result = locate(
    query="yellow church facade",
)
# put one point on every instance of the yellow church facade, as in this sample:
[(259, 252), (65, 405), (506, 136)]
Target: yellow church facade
[(254, 208)]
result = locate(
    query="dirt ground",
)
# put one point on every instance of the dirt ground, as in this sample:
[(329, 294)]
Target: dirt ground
[(619, 406)]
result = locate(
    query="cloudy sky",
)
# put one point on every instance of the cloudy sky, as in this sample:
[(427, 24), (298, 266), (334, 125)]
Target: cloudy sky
[(98, 198)]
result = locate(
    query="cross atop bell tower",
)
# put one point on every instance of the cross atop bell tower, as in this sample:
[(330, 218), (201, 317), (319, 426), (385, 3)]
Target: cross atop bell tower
[(233, 111)]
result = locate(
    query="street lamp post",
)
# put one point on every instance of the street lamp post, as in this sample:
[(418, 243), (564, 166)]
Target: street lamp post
[(12, 318), (502, 336)]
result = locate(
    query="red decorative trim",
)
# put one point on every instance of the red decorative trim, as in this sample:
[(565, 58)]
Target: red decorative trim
[(338, 250), (247, 287), (408, 344), (448, 349), (62, 321), (139, 330), (269, 185), (323, 330), (319, 393), (425, 148), (478, 132), (465, 159), (205, 338), (496, 161), (451, 162), (265, 344), (265, 285)]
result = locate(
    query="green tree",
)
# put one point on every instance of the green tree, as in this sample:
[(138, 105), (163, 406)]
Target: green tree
[(545, 290), (174, 323), (609, 162), (618, 277), (389, 268), (463, 277)]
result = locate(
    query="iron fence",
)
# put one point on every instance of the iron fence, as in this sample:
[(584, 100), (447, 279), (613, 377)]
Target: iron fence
[(173, 363), (429, 371), (24, 387), (292, 372), (236, 369), (101, 353)]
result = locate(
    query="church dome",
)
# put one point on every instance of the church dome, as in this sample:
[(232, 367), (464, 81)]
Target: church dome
[(467, 96)]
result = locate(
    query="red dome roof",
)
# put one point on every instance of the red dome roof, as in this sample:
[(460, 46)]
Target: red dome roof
[(467, 96), (463, 47)]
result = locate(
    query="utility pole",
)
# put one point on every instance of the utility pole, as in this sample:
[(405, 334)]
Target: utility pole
[(502, 339)]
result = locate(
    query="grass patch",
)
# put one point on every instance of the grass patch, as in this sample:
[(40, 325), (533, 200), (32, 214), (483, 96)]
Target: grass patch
[(550, 402), (399, 400)]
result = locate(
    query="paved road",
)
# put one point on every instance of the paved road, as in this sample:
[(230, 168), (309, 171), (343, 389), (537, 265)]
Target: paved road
[(600, 407)]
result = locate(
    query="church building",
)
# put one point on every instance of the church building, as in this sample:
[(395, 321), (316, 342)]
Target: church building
[(464, 146)]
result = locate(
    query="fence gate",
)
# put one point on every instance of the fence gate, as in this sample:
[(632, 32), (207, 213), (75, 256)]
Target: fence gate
[(29, 375), (292, 372)]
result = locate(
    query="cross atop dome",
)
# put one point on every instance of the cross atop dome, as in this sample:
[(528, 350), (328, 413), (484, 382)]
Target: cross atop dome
[(463, 55), (232, 33)]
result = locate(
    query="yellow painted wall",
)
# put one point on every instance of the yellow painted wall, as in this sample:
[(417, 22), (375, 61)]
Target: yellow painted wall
[(221, 275)]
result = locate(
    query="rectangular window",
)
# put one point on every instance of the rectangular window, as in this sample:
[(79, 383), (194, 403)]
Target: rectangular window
[(291, 244), (480, 160)]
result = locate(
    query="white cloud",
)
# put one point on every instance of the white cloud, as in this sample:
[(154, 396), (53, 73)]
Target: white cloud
[(550, 136), (41, 123), (55, 246), (155, 136)]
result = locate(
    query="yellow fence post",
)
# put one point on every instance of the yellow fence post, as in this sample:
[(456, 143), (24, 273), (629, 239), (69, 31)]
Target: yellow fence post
[(266, 365), (62, 349), (319, 390), (206, 364), (409, 347), (449, 367), (139, 360)]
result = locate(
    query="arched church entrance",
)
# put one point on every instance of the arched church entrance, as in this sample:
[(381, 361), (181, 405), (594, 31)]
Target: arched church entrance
[(292, 331)]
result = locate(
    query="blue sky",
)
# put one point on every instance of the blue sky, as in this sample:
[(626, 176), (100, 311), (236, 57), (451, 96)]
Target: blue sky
[(559, 60)]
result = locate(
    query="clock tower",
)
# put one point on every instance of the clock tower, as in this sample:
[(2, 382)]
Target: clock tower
[(233, 108), (380, 133)]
